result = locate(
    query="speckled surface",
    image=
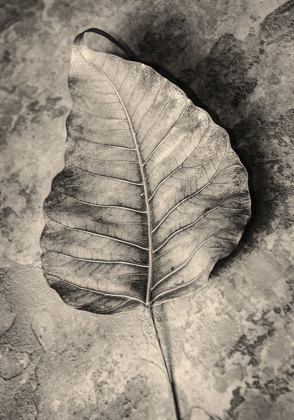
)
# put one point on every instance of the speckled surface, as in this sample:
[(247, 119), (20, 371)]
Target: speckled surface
[(231, 346)]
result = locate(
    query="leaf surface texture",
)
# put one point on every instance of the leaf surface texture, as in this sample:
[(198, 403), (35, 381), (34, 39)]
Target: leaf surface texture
[(151, 195)]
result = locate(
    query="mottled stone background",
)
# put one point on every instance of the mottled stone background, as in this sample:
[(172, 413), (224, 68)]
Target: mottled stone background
[(231, 346)]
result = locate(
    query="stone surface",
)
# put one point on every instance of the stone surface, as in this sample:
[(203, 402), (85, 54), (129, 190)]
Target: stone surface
[(6, 315), (230, 346), (12, 363)]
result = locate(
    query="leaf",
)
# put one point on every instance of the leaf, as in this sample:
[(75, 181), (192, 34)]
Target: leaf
[(151, 196)]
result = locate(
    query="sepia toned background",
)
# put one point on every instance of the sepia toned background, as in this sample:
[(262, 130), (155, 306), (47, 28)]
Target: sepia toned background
[(230, 346)]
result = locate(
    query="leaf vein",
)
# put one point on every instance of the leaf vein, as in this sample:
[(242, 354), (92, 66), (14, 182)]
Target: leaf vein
[(100, 235), (186, 262), (94, 291), (191, 195), (166, 135), (106, 176), (102, 205), (191, 224), (100, 261)]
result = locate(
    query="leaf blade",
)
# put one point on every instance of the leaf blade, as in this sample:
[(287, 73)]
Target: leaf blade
[(148, 181)]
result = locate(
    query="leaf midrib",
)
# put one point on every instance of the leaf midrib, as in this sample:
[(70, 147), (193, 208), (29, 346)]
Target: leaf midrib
[(148, 213)]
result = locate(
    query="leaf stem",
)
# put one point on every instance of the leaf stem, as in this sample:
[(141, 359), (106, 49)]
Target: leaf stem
[(168, 372)]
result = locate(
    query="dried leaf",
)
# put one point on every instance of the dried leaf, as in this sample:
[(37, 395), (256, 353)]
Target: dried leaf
[(151, 196)]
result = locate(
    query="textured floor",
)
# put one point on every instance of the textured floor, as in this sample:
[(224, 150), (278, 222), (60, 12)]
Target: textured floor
[(231, 347)]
